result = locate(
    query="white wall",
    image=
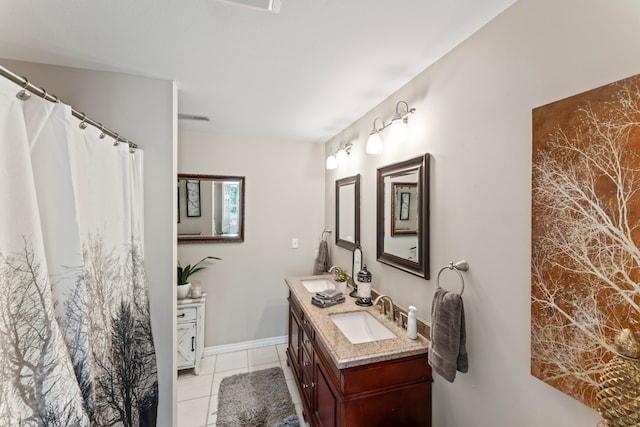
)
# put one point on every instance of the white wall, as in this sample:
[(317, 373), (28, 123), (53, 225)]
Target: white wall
[(284, 199), (473, 114), (142, 110)]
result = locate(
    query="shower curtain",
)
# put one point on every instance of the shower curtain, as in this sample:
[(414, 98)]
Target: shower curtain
[(76, 347)]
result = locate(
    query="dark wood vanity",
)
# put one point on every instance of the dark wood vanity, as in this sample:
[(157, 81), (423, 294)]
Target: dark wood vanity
[(394, 392)]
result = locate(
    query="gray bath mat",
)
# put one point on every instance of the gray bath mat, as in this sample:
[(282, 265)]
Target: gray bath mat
[(257, 399)]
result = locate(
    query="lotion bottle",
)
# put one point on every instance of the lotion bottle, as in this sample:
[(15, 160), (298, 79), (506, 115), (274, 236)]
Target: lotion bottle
[(412, 327)]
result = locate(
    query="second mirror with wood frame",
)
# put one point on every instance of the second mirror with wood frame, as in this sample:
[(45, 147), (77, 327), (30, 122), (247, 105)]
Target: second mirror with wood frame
[(348, 212), (402, 218)]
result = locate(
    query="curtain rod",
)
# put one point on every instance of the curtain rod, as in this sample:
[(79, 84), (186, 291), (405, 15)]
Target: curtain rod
[(27, 85)]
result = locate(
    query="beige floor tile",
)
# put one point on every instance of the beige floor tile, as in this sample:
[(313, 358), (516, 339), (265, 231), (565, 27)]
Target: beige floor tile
[(208, 365), (255, 368), (262, 355), (295, 397), (231, 361), (213, 408), (288, 373), (282, 351), (193, 413), (300, 417), (195, 386)]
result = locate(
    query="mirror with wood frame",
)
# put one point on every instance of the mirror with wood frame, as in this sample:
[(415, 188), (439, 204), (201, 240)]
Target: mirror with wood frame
[(210, 208), (348, 212), (402, 219)]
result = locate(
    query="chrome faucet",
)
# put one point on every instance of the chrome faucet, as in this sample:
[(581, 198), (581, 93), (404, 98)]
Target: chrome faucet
[(336, 271), (382, 310)]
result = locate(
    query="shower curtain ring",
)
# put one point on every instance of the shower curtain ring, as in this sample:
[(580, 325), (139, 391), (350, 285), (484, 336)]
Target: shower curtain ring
[(83, 123), (23, 95), (102, 134), (116, 143)]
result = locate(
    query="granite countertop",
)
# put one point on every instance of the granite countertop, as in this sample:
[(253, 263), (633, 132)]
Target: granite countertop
[(342, 351)]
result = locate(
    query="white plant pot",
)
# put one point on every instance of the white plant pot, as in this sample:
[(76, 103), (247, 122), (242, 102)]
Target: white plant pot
[(183, 290)]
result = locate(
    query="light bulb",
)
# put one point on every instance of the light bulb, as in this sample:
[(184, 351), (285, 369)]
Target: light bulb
[(398, 131), (332, 162), (341, 155), (374, 143)]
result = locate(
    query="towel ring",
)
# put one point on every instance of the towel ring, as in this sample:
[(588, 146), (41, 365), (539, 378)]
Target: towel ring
[(457, 267)]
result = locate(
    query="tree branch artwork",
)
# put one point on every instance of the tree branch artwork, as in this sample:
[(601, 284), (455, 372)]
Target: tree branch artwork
[(106, 373), (585, 265)]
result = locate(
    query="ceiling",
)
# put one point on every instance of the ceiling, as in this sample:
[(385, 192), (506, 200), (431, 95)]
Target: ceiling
[(303, 74)]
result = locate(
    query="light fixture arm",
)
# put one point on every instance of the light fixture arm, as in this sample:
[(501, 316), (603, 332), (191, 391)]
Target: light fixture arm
[(375, 129), (346, 146), (404, 117)]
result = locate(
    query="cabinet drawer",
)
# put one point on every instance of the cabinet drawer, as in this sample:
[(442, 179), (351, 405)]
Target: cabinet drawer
[(307, 364), (187, 314), (307, 340), (307, 388)]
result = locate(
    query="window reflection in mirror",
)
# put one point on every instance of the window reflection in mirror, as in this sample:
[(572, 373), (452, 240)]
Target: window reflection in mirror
[(401, 207), (403, 215), (348, 212), (210, 208)]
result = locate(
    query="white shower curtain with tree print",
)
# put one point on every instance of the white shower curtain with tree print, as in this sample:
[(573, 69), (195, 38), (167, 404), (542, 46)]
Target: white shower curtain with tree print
[(75, 335)]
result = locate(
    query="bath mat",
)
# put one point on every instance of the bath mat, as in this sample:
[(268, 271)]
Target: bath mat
[(259, 399)]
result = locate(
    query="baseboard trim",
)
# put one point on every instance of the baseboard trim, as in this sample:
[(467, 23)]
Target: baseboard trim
[(245, 345)]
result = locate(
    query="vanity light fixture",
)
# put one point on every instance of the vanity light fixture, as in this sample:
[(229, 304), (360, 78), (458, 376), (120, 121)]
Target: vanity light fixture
[(340, 155), (398, 130), (374, 143), (332, 162)]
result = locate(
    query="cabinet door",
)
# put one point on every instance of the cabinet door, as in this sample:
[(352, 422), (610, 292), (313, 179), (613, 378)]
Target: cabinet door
[(186, 345), (308, 383), (326, 402), (294, 343)]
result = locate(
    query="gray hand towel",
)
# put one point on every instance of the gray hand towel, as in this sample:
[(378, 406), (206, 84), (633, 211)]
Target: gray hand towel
[(328, 294), (321, 264), (447, 349), (327, 303)]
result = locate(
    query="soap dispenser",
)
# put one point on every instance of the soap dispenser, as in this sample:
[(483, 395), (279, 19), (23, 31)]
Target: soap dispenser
[(412, 327)]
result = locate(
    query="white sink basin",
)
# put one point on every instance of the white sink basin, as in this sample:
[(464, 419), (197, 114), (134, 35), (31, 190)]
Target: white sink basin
[(360, 326), (318, 285)]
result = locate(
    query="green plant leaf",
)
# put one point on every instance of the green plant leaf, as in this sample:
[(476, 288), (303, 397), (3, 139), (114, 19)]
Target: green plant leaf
[(185, 272)]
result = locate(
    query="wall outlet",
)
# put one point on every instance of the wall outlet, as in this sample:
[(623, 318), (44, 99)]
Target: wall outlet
[(294, 243)]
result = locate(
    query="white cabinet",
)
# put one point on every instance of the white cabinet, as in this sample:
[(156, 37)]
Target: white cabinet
[(191, 332)]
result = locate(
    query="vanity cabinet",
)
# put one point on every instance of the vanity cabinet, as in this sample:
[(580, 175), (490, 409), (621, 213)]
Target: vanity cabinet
[(190, 323), (388, 393)]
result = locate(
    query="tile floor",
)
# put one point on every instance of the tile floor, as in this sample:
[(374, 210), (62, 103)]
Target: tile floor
[(198, 394)]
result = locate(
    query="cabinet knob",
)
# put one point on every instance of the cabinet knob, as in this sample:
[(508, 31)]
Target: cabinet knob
[(306, 322), (313, 385), (307, 363), (307, 341), (182, 315), (305, 385)]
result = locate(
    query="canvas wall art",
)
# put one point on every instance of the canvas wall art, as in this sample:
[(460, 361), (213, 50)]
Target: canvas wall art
[(585, 256)]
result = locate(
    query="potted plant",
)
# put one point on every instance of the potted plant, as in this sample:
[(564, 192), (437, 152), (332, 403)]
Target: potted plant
[(183, 276), (341, 278)]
